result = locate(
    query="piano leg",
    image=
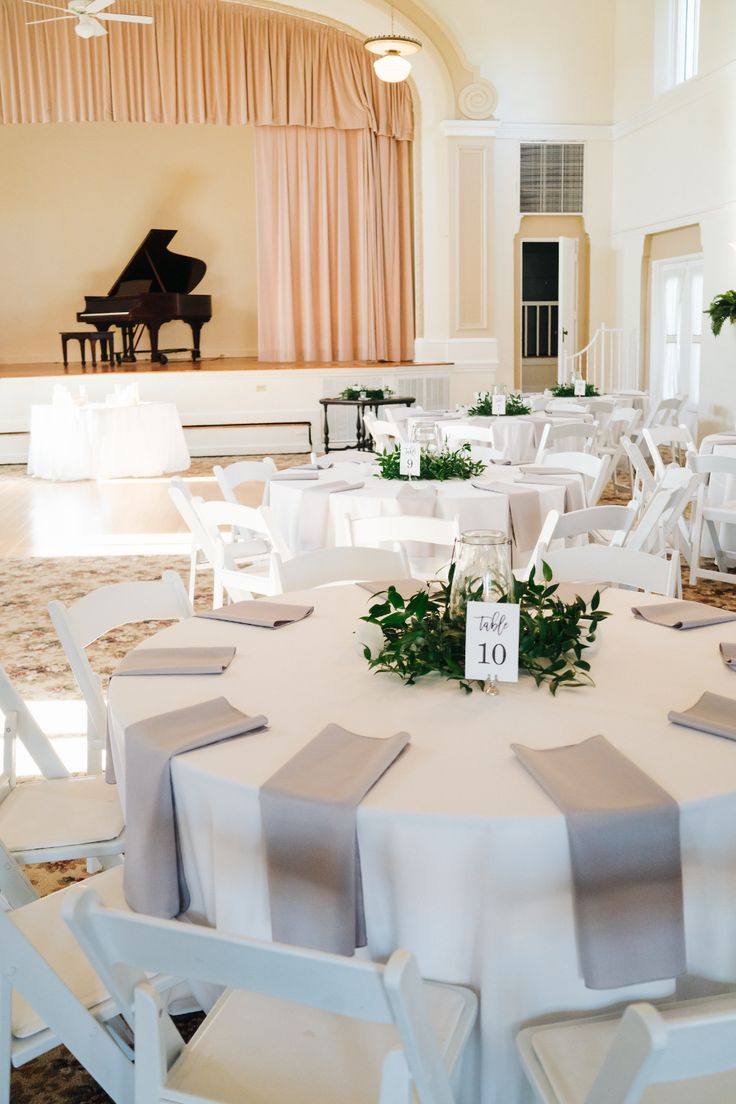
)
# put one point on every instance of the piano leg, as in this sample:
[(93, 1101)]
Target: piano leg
[(156, 356), (196, 328), (126, 331)]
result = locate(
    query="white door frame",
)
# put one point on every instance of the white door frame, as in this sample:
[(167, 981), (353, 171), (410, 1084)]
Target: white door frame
[(685, 336)]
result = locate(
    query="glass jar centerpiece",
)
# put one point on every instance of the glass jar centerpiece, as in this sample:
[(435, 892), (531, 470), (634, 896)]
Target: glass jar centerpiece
[(482, 562), (427, 434)]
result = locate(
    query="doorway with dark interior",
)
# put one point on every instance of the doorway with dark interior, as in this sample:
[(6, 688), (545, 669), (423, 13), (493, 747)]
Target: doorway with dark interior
[(539, 313)]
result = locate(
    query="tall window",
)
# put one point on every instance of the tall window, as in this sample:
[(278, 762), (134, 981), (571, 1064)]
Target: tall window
[(686, 21), (677, 326)]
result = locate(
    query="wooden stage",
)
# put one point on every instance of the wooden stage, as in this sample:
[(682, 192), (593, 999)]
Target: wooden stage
[(213, 364)]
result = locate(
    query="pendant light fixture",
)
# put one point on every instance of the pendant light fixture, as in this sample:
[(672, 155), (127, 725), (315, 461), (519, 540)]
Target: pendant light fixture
[(392, 64)]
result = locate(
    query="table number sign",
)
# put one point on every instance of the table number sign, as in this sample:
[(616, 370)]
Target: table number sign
[(579, 390), (492, 641), (410, 458), (498, 404)]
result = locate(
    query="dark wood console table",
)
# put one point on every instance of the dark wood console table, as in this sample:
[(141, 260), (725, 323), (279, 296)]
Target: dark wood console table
[(361, 405)]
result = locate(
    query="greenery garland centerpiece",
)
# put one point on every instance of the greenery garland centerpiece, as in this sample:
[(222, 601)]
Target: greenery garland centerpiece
[(722, 309), (375, 394), (483, 405), (567, 391), (421, 636), (444, 464)]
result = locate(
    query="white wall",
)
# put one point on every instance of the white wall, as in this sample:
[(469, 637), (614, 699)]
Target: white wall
[(78, 198), (674, 163)]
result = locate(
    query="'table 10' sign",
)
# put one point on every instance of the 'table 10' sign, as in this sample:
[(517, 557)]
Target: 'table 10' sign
[(492, 641)]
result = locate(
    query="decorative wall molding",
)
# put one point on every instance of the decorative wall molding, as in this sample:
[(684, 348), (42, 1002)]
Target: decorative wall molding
[(470, 128), (470, 261), (555, 132), (477, 100), (468, 352)]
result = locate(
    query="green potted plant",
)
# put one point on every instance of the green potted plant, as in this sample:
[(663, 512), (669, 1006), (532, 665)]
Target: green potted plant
[(722, 309)]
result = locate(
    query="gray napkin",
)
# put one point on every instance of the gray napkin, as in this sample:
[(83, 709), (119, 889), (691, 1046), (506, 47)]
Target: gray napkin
[(525, 512), (728, 655), (624, 837), (322, 464), (153, 878), (711, 713), (683, 615), (267, 615), (309, 809), (296, 473), (175, 661), (407, 588)]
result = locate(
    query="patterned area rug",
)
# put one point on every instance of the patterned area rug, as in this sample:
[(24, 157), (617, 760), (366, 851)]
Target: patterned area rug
[(36, 663)]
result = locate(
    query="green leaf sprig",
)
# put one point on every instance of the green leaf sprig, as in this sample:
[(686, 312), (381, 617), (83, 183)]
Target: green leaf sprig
[(722, 309), (373, 393), (514, 405), (567, 391), (422, 637), (446, 464)]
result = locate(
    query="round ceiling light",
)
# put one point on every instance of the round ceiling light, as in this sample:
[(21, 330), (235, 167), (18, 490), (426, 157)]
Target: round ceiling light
[(392, 65)]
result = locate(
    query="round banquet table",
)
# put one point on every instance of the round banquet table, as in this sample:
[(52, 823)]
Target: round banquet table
[(464, 858), (516, 436), (309, 521), (106, 441)]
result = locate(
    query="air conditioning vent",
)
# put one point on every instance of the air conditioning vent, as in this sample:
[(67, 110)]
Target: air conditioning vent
[(551, 178)]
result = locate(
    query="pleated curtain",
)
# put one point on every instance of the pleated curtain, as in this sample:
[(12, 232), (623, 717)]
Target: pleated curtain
[(333, 150)]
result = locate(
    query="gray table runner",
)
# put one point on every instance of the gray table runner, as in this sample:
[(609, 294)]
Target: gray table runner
[(261, 613), (175, 661), (559, 477), (309, 808), (525, 511), (297, 474), (153, 878), (711, 713), (683, 615), (624, 836), (313, 513)]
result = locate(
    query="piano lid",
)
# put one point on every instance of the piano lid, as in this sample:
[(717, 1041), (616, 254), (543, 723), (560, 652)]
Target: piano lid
[(154, 268)]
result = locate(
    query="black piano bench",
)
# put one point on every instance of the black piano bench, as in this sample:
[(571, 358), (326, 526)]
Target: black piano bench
[(106, 341)]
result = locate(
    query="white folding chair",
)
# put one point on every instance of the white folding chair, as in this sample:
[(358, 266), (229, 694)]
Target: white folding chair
[(338, 565), (455, 435), (386, 435), (408, 529), (666, 412), (614, 521), (245, 471), (238, 579), (566, 436), (292, 1025), (622, 422), (709, 517), (84, 621), (594, 470), (57, 817), (676, 438), (643, 483), (49, 992), (677, 1052), (598, 563)]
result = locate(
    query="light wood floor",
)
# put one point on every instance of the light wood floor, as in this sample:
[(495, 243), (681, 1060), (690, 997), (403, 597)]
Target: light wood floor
[(120, 517)]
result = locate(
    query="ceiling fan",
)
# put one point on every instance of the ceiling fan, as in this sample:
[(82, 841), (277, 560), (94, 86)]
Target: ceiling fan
[(88, 14)]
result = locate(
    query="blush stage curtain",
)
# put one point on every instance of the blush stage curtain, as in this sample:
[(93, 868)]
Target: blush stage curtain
[(333, 150), (334, 245)]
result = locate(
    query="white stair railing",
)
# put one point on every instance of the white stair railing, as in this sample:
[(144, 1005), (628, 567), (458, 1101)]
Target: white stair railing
[(608, 361)]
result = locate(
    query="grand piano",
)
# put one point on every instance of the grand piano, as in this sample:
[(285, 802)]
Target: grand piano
[(154, 288)]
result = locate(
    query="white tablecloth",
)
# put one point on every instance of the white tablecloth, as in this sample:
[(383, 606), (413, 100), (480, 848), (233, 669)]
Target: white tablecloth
[(100, 441), (465, 860), (475, 509)]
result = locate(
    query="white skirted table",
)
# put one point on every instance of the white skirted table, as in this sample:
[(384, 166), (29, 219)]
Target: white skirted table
[(106, 441), (465, 860), (309, 519), (516, 436)]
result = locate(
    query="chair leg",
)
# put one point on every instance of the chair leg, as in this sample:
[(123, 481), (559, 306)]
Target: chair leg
[(6, 997), (192, 573)]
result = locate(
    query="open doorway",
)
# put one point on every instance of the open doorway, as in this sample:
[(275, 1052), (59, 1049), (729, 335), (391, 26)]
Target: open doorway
[(539, 314)]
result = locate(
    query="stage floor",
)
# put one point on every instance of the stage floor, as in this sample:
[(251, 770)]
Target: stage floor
[(214, 364)]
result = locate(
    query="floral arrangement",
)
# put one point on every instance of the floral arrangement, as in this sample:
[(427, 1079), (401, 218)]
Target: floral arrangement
[(482, 404), (422, 637), (567, 391), (441, 465), (374, 393)]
